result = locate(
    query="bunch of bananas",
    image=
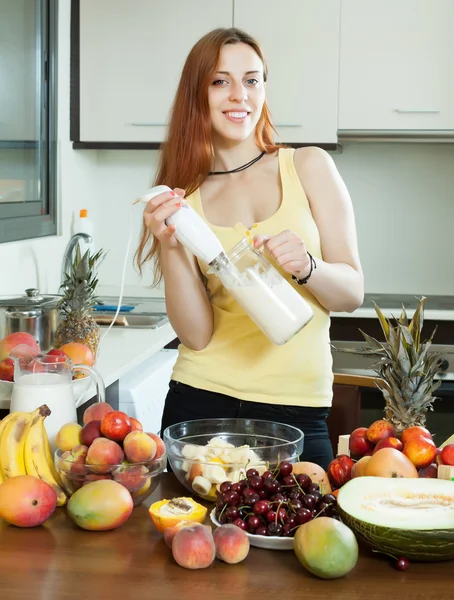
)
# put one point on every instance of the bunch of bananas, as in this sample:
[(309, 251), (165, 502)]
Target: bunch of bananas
[(25, 450)]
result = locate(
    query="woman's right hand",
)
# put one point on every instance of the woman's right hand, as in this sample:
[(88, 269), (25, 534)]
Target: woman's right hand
[(160, 208)]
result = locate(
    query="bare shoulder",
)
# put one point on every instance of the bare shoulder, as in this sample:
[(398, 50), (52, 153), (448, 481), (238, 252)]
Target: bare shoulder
[(312, 160)]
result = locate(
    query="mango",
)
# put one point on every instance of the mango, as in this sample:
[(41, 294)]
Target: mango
[(100, 505), (15, 339), (26, 501), (326, 548)]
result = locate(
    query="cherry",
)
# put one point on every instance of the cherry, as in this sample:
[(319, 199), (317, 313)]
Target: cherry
[(303, 515), (231, 498), (226, 486), (220, 501), (309, 501), (253, 522), (287, 530), (252, 499), (304, 480), (231, 513), (313, 487), (256, 483), (317, 495), (248, 492), (262, 530), (261, 507), (292, 521), (274, 529), (240, 523), (282, 515), (288, 480), (329, 499), (402, 564), (270, 516), (236, 487), (278, 498), (252, 473), (324, 509), (295, 504), (285, 468), (267, 474), (262, 494), (295, 494), (271, 486)]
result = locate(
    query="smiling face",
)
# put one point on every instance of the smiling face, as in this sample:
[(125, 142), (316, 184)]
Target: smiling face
[(236, 93)]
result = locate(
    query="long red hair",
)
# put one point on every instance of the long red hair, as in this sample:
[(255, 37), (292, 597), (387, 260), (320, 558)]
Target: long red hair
[(186, 154)]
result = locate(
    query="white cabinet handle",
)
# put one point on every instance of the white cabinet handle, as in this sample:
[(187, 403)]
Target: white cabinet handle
[(416, 110), (145, 124), (287, 124)]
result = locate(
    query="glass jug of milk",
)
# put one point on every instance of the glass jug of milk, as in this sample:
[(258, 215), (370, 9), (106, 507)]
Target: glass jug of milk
[(42, 379), (270, 300)]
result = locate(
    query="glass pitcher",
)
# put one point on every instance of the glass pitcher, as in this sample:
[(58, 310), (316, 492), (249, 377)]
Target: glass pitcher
[(44, 379), (270, 300)]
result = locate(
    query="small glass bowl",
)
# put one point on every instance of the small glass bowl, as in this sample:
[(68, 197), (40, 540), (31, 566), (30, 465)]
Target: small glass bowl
[(140, 479)]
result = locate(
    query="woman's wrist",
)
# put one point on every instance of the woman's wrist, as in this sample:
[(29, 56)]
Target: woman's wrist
[(302, 280)]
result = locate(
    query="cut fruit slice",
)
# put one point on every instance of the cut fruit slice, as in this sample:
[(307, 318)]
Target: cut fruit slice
[(167, 513), (413, 518)]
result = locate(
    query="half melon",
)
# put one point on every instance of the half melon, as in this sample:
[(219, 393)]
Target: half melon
[(413, 518)]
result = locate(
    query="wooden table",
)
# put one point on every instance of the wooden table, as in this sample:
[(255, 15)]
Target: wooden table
[(58, 561)]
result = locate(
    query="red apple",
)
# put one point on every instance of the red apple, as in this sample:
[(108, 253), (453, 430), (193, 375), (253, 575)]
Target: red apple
[(416, 430), (430, 472), (115, 425), (358, 443), (447, 455), (421, 451), (379, 430), (340, 470), (7, 369), (390, 442)]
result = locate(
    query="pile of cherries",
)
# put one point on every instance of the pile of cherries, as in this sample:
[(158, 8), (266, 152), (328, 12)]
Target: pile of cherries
[(273, 504)]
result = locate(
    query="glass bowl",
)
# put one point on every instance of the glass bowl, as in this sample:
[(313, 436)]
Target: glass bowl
[(140, 479), (205, 452)]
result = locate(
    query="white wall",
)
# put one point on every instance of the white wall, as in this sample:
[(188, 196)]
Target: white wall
[(402, 194)]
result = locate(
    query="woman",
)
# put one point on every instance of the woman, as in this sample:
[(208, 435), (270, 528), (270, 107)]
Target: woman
[(220, 153)]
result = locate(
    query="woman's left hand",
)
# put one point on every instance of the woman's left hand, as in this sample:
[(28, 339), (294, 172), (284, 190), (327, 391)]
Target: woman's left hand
[(288, 250)]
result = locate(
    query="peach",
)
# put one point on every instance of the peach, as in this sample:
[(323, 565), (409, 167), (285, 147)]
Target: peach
[(136, 425), (139, 447), (193, 547), (26, 501), (380, 430), (232, 543), (132, 477), (75, 460), (80, 354), (170, 532), (447, 455), (359, 468), (68, 436), (115, 425), (100, 505), (96, 412), (430, 472), (15, 339), (389, 442), (160, 446), (90, 432), (7, 369), (410, 432), (420, 450), (103, 454), (358, 443)]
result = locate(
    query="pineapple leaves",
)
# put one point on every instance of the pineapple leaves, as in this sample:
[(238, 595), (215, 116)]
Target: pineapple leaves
[(383, 320)]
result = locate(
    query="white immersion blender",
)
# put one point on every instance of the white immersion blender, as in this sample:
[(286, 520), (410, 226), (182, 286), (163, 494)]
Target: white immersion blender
[(192, 231)]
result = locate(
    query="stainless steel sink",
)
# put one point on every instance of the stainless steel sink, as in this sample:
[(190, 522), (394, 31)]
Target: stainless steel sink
[(132, 321)]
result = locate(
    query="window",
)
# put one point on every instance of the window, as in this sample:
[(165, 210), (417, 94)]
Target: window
[(28, 34)]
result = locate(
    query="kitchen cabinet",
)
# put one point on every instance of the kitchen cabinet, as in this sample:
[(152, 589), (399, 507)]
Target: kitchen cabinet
[(300, 40), (127, 60), (130, 59), (396, 65)]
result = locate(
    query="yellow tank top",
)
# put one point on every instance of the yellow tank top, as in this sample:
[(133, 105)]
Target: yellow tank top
[(239, 360)]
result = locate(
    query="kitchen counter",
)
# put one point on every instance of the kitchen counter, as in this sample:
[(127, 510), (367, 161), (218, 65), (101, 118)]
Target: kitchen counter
[(437, 308), (59, 561), (123, 349)]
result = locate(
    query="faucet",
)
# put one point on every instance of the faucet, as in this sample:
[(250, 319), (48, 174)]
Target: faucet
[(67, 255)]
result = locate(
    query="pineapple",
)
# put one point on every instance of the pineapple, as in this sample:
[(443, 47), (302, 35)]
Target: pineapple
[(78, 299), (406, 369)]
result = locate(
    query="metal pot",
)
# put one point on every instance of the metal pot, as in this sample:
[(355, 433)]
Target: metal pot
[(33, 313)]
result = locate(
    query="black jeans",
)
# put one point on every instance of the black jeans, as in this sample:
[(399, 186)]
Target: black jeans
[(186, 403)]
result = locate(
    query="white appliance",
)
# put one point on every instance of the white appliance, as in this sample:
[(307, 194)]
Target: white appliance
[(143, 391)]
